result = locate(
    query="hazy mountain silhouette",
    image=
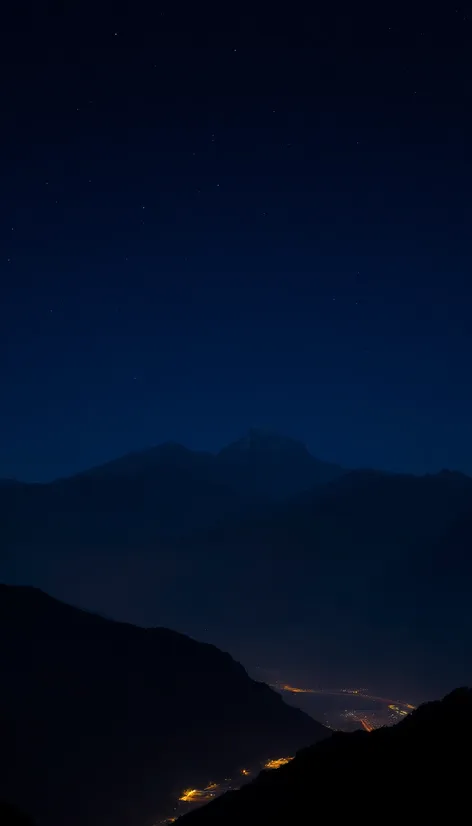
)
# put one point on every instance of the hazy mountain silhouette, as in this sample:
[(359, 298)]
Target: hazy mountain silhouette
[(413, 772), (106, 722), (261, 463), (360, 509), (273, 466), (158, 493), (375, 568), (263, 536)]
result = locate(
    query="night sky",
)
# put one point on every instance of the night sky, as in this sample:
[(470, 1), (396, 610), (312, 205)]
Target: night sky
[(218, 218)]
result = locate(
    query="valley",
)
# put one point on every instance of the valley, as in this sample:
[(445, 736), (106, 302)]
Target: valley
[(193, 798)]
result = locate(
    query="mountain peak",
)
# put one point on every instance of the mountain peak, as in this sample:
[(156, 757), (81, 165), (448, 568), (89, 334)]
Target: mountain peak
[(261, 440), (273, 466)]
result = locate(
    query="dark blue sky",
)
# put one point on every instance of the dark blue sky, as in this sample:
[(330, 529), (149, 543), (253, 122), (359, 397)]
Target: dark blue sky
[(212, 220)]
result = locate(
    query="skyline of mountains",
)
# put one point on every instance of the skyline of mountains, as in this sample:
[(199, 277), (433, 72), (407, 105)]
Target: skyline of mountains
[(159, 494), (289, 563), (254, 442)]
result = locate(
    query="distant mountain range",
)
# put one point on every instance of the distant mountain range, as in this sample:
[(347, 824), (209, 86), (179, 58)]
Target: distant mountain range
[(260, 543), (103, 722), (413, 772), (172, 492), (162, 492)]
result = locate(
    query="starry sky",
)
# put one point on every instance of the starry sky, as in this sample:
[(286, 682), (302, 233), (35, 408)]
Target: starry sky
[(215, 219)]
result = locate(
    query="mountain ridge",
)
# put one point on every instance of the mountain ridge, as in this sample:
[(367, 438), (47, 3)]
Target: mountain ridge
[(217, 547), (255, 439), (155, 494)]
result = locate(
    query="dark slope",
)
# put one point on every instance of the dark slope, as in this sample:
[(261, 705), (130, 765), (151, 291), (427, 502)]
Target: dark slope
[(109, 721), (361, 507), (414, 772), (11, 816), (375, 571), (366, 527), (167, 456)]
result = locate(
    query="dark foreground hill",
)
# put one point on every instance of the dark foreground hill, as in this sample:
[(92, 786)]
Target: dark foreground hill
[(104, 723), (11, 816), (416, 772)]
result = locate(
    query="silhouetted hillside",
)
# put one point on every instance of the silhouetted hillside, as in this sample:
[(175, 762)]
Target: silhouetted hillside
[(416, 772), (103, 722), (11, 816), (360, 515), (376, 569)]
